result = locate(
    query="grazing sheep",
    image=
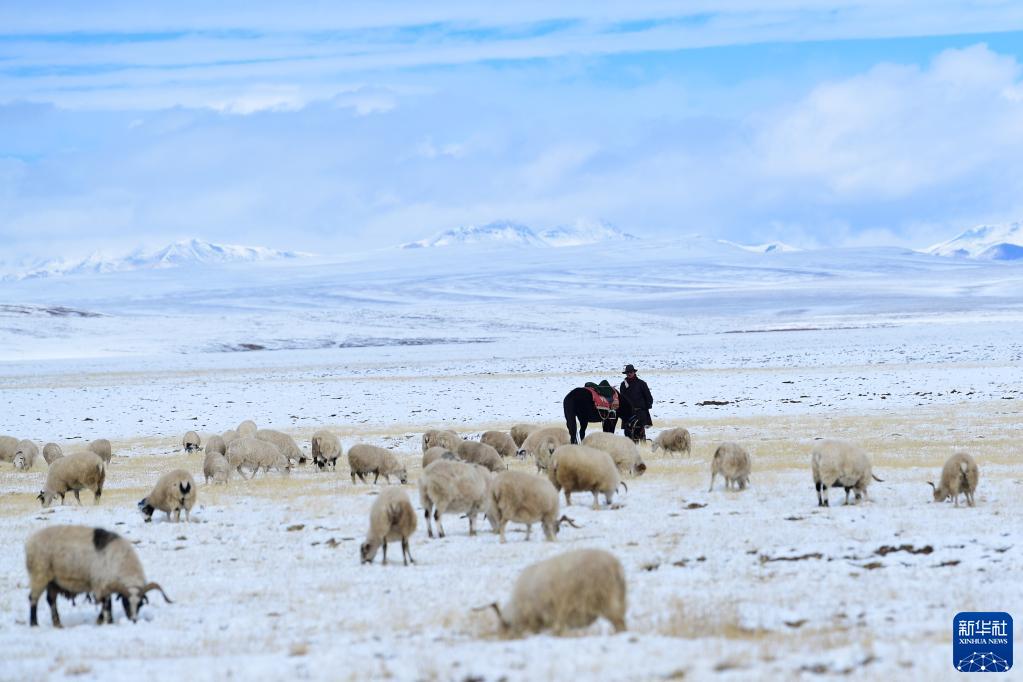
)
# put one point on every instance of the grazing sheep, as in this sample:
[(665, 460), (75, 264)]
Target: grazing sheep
[(8, 446), (174, 491), (81, 470), (255, 453), (70, 560), (191, 441), (444, 438), (52, 452), (570, 590), (390, 518), (959, 475), (731, 461), (285, 443), (216, 444), (622, 450), (524, 498), (480, 453), (500, 441), (369, 459), (520, 432), (247, 429), (840, 463), (326, 448), (26, 455), (215, 466), (579, 468), (101, 446), (435, 453), (229, 436), (673, 440), (455, 487), (542, 443)]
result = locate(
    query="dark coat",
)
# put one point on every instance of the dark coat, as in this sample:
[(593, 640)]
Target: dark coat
[(638, 393)]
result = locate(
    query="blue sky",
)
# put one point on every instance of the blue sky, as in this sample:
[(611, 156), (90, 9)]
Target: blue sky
[(322, 126)]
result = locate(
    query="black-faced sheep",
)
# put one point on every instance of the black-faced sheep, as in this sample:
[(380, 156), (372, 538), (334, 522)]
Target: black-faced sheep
[(174, 492), (26, 455), (326, 449), (191, 441)]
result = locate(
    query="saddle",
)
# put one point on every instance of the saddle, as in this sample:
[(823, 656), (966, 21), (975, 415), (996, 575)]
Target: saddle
[(605, 398)]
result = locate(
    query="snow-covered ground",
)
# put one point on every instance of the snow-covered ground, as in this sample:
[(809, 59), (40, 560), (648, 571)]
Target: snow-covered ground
[(912, 355)]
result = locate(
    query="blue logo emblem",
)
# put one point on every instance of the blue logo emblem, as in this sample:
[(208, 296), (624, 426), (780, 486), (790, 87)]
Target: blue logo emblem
[(982, 642)]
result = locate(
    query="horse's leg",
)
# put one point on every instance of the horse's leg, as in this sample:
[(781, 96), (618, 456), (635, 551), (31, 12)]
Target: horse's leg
[(610, 424), (570, 419), (582, 428)]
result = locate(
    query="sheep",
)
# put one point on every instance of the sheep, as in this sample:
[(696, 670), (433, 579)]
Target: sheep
[(435, 453), (480, 453), (70, 560), (578, 468), (215, 466), (255, 453), (26, 455), (455, 487), (326, 449), (101, 446), (191, 441), (81, 470), (369, 459), (52, 452), (622, 450), (520, 432), (570, 590), (285, 443), (8, 446), (215, 444), (959, 475), (732, 461), (500, 441), (445, 438), (390, 518), (229, 436), (524, 498), (673, 440), (542, 443), (174, 491), (247, 429), (840, 463)]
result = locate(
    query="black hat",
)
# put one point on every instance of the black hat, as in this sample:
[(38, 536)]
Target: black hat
[(628, 368)]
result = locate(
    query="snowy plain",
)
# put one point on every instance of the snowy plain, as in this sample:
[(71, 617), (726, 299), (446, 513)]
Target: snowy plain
[(912, 355)]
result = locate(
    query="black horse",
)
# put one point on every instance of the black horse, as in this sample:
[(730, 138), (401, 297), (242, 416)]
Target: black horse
[(579, 408)]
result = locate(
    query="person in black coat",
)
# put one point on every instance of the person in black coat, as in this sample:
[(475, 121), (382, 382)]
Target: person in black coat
[(638, 395)]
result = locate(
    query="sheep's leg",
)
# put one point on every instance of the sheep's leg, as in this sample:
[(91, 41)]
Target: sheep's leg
[(385, 551), (436, 517), (846, 495), (78, 498), (429, 526), (955, 499), (713, 475), (500, 528), (529, 531), (596, 500), (188, 516), (618, 622), (106, 614), (969, 498), (472, 524), (825, 489), (376, 476), (568, 498), (51, 599), (406, 551)]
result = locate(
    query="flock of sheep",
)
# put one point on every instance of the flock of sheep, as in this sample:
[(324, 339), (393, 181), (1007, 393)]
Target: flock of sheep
[(459, 476)]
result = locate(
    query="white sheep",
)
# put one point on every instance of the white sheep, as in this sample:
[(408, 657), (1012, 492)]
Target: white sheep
[(579, 468), (326, 448), (455, 487), (26, 455), (191, 441), (71, 560), (570, 590), (520, 497), (229, 436), (435, 453), (520, 432), (8, 446), (444, 438), (174, 492), (247, 429), (390, 518), (52, 452), (216, 444), (101, 446), (79, 471), (480, 453), (622, 450), (285, 443), (732, 461), (837, 463), (255, 454), (542, 443), (959, 475), (369, 459), (500, 441), (673, 440), (216, 467)]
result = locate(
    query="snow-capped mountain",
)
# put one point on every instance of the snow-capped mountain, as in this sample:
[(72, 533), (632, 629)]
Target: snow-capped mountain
[(985, 242), (179, 254), (769, 247), (512, 233)]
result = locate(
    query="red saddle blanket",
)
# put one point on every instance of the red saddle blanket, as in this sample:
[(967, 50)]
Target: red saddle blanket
[(603, 404)]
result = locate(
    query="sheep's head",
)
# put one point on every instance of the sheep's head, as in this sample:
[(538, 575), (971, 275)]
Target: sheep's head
[(403, 475), (640, 468), (47, 497), (368, 551), (940, 495), (20, 460), (133, 599)]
